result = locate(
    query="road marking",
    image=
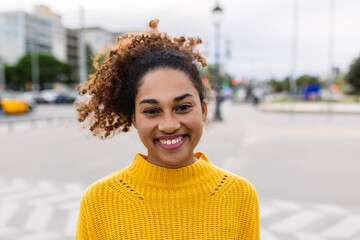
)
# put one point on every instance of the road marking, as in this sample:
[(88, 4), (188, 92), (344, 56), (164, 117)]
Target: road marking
[(6, 231), (7, 211), (56, 198), (266, 235), (331, 209), (70, 227), (297, 221), (39, 236), (308, 236), (344, 229), (287, 205), (70, 205), (16, 185), (266, 211), (39, 218), (28, 194)]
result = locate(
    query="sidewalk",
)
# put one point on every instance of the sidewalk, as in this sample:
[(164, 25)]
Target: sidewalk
[(343, 108)]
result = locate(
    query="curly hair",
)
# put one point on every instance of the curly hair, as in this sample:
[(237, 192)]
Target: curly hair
[(111, 91)]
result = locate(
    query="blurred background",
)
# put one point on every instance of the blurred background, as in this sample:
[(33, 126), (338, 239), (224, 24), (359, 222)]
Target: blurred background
[(284, 107)]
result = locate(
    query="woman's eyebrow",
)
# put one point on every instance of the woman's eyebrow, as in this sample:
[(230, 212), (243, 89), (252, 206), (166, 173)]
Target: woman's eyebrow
[(177, 99), (149, 101)]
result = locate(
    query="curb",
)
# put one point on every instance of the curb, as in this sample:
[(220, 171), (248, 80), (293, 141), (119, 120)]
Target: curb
[(338, 108)]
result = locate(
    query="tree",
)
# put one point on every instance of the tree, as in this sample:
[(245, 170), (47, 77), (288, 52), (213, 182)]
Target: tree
[(353, 76), (89, 59), (51, 70), (306, 80)]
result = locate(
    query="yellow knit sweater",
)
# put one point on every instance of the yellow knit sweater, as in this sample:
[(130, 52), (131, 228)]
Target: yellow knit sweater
[(145, 201)]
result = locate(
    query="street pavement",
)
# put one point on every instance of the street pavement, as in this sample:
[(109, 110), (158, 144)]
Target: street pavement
[(305, 168), (312, 107)]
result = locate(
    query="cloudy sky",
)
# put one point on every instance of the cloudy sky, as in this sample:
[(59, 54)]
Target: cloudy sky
[(260, 31)]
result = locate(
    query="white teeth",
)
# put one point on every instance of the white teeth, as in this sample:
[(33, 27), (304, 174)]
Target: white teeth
[(170, 142)]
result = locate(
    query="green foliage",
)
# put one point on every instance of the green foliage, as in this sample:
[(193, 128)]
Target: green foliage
[(305, 80), (280, 85), (51, 70), (90, 59), (209, 73), (353, 76)]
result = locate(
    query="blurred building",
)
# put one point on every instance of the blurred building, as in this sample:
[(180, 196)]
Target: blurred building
[(22, 33), (72, 50), (58, 31), (98, 37)]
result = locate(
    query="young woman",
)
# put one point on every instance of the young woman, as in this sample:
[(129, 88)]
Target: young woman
[(151, 81)]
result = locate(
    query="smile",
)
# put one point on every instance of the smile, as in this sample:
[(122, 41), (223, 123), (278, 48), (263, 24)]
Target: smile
[(171, 142)]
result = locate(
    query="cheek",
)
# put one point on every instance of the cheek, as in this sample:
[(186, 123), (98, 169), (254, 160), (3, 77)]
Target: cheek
[(195, 121), (145, 126)]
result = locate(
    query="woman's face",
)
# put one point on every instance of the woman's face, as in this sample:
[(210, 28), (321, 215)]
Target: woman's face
[(169, 117)]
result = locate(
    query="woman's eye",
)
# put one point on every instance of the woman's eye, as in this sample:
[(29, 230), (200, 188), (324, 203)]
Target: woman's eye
[(151, 111), (183, 107)]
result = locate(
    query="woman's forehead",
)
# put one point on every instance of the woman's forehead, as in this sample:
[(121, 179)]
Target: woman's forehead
[(169, 83)]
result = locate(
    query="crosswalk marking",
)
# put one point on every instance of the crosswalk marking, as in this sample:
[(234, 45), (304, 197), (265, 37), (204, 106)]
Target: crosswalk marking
[(266, 235), (266, 211), (39, 218), (295, 222), (15, 185), (4, 231), (75, 204), (288, 205), (28, 211), (331, 208), (70, 227), (56, 198), (39, 236), (28, 194), (7, 211), (344, 229), (308, 236)]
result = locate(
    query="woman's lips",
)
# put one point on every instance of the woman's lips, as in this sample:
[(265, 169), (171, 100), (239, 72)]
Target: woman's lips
[(171, 142)]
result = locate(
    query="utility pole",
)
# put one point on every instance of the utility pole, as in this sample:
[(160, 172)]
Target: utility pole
[(2, 67), (217, 11), (331, 74), (35, 66), (2, 75), (294, 45), (82, 50)]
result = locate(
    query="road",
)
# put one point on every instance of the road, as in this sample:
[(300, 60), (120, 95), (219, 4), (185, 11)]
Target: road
[(305, 168)]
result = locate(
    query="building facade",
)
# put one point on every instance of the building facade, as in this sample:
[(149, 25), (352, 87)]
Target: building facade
[(58, 31), (22, 33), (72, 50)]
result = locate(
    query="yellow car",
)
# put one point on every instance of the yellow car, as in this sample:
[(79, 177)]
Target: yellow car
[(14, 106)]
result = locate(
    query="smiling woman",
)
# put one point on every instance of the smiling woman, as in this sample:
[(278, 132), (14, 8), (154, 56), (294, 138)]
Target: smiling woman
[(151, 81)]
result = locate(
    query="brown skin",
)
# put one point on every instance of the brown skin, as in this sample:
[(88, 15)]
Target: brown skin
[(168, 107), (109, 107)]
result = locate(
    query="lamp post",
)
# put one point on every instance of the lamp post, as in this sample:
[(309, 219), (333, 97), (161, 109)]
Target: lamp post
[(217, 12)]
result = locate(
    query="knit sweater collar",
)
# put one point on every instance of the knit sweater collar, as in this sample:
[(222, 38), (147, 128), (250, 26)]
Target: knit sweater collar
[(151, 174)]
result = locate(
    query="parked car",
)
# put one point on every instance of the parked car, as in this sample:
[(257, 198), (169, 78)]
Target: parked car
[(33, 96), (13, 105)]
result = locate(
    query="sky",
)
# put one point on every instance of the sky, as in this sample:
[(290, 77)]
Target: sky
[(260, 31)]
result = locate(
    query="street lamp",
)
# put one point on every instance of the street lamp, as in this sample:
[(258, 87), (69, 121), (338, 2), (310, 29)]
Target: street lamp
[(217, 14)]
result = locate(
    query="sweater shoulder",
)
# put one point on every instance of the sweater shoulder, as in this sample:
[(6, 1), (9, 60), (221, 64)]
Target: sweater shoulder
[(240, 184), (97, 188)]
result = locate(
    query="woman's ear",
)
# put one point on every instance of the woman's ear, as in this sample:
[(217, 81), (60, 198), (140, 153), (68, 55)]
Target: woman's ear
[(204, 110), (133, 121)]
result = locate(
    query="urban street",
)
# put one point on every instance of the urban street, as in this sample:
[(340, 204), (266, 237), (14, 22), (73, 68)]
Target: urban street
[(305, 168)]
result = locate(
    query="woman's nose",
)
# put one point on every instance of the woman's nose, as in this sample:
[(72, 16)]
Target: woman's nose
[(169, 124)]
